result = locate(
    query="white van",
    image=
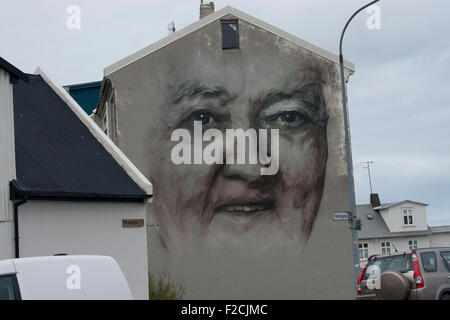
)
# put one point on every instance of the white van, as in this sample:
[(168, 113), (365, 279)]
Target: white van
[(63, 278)]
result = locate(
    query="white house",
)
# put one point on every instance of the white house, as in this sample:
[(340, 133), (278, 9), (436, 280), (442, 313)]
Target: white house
[(397, 227), (64, 186)]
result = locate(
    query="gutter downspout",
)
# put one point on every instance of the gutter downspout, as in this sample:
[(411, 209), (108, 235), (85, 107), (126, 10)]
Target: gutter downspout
[(16, 226)]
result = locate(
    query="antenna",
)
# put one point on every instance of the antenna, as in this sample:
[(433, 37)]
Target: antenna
[(368, 163), (171, 27), (394, 247)]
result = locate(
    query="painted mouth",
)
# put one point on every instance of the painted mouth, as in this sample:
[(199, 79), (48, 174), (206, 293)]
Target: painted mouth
[(246, 207)]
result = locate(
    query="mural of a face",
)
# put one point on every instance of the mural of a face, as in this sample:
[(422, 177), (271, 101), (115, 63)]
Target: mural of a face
[(199, 206)]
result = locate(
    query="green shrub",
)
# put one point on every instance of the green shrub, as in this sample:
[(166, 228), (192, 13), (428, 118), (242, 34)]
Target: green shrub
[(161, 287)]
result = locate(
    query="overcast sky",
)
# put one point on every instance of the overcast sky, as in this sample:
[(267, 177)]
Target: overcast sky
[(399, 96)]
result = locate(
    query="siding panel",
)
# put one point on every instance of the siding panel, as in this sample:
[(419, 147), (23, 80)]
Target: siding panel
[(7, 155)]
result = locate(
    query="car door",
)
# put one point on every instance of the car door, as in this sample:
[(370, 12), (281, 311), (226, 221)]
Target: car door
[(432, 274), (445, 255)]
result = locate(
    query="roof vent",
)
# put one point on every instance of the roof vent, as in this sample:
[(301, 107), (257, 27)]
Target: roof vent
[(369, 216)]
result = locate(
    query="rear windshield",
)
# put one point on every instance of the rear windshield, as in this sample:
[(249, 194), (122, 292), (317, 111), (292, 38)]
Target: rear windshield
[(401, 263)]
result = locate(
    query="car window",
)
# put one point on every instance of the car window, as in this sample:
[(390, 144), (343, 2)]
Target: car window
[(446, 256), (399, 263), (8, 288), (429, 261)]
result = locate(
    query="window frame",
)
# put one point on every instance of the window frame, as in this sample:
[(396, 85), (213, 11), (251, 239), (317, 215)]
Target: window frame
[(412, 246), (435, 261), (409, 215), (446, 264), (363, 250), (236, 23), (386, 248)]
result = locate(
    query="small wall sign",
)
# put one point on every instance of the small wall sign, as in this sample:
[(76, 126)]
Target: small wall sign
[(132, 223), (340, 216)]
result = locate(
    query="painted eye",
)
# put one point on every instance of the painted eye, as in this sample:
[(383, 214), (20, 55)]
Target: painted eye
[(203, 116), (293, 119)]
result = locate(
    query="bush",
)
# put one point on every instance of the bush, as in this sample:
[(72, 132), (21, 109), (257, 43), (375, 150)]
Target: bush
[(160, 287)]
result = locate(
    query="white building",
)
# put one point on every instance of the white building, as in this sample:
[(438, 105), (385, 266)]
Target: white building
[(64, 186), (397, 227)]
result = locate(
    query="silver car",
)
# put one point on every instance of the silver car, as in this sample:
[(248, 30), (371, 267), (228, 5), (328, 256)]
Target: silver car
[(421, 274)]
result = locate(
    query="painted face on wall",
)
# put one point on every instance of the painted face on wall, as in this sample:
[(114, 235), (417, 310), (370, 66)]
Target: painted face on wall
[(201, 205)]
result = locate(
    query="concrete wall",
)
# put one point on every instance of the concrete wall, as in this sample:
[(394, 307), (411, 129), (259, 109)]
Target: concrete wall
[(7, 164), (87, 228), (293, 250), (394, 217)]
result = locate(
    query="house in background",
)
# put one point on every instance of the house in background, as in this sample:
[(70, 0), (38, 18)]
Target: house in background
[(396, 227), (65, 187), (85, 94)]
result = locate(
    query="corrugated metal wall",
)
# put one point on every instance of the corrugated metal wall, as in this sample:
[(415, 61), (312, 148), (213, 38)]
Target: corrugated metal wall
[(7, 155)]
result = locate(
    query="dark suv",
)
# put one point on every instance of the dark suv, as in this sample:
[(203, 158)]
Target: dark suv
[(422, 274)]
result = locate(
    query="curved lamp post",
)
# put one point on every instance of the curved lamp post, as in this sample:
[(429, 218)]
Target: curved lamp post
[(351, 189)]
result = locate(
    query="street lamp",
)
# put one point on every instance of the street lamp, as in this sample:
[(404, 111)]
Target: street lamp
[(351, 189)]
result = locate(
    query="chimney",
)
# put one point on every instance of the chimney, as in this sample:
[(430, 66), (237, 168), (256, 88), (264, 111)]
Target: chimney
[(206, 9), (374, 200)]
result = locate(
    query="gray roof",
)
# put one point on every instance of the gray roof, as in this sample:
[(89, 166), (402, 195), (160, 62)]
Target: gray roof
[(377, 228), (440, 229), (391, 204)]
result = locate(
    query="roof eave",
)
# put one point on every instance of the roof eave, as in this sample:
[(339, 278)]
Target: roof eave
[(12, 70), (213, 17), (17, 194), (101, 137)]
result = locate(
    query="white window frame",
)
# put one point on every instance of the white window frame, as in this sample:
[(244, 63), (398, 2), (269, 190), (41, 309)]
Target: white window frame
[(385, 247), (108, 117), (412, 244), (363, 250), (408, 212)]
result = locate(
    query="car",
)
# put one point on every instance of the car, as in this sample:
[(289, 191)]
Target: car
[(419, 274), (63, 277)]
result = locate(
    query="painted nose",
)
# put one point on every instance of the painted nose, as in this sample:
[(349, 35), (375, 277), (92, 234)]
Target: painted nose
[(248, 172), (242, 162)]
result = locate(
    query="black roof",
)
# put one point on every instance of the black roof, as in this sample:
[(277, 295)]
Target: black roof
[(57, 157), (13, 71)]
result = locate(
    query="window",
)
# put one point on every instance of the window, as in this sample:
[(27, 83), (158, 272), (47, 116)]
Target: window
[(446, 256), (407, 216), (400, 263), (109, 117), (9, 289), (230, 34), (412, 244), (363, 249), (386, 247), (429, 261), (105, 123)]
